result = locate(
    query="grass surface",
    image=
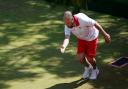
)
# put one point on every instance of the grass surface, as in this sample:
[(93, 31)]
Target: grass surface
[(31, 32)]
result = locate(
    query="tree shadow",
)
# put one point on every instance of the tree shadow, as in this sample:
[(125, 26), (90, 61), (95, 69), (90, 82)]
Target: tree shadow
[(111, 78), (17, 20), (3, 85), (40, 27)]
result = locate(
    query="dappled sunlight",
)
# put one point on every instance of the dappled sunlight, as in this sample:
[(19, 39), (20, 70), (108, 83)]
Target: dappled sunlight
[(29, 40), (53, 62), (108, 60), (46, 23), (30, 36), (124, 34), (35, 3), (101, 41), (31, 33)]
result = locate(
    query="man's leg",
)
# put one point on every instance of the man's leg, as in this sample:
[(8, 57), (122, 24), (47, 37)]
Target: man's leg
[(81, 57), (90, 57), (91, 61), (93, 69)]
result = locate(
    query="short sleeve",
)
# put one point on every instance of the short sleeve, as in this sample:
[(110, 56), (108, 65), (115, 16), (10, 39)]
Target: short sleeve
[(85, 20), (91, 22), (67, 31)]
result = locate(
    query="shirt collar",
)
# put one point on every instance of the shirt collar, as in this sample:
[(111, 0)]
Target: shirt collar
[(76, 21)]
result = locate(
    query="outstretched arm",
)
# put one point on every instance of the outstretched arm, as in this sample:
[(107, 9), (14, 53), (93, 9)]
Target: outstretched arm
[(65, 44), (103, 32)]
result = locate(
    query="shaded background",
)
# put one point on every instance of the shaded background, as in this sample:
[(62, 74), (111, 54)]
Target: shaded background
[(113, 7)]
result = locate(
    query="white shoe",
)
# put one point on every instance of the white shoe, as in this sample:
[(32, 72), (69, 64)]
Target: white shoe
[(94, 74), (86, 73)]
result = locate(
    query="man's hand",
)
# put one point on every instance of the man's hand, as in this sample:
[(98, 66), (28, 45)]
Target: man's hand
[(65, 43), (107, 38), (62, 49)]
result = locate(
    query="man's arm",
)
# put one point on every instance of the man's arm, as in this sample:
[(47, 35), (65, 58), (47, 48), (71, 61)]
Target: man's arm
[(103, 32), (65, 44)]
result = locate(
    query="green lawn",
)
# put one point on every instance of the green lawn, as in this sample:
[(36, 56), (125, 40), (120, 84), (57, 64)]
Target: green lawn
[(31, 32)]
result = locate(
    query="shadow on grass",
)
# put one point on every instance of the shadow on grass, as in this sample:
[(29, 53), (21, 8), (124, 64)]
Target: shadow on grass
[(70, 85), (30, 34), (17, 18), (110, 78)]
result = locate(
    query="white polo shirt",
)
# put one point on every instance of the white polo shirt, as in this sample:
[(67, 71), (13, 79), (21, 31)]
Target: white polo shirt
[(85, 29)]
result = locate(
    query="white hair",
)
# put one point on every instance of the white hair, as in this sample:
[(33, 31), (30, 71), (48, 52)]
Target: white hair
[(68, 15)]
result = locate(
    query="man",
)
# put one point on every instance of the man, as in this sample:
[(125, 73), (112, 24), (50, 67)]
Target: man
[(87, 31)]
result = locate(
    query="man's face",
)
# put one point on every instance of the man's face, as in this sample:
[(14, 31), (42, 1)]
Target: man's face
[(68, 22)]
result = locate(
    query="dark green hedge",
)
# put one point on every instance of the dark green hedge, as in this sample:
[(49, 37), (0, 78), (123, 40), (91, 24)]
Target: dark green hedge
[(114, 7)]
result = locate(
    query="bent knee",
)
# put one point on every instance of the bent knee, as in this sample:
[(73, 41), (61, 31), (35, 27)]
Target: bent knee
[(81, 57)]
